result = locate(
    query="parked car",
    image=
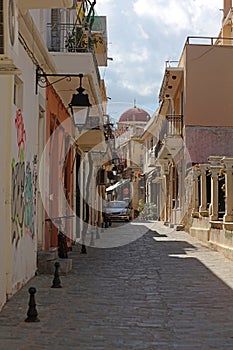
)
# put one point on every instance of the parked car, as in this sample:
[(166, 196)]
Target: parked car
[(117, 211)]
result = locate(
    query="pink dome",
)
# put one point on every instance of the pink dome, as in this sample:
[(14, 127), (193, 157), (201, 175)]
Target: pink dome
[(134, 115)]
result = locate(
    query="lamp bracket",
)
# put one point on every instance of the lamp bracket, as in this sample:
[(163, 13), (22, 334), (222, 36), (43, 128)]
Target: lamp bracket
[(42, 78)]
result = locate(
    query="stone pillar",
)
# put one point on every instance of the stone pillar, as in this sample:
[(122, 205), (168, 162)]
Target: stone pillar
[(203, 207), (165, 189), (228, 165), (195, 199), (162, 203), (215, 166)]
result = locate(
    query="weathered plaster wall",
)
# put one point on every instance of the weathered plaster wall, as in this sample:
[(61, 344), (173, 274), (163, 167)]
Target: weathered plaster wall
[(202, 142)]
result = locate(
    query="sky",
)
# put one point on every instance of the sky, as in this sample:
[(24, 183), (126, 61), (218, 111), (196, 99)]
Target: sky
[(142, 36)]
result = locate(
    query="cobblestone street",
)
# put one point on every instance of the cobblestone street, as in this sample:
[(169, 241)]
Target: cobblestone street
[(164, 290)]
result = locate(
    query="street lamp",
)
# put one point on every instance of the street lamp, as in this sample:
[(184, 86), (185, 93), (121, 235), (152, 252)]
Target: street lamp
[(80, 106)]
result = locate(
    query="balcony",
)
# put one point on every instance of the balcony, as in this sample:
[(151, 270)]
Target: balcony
[(75, 38), (171, 137), (90, 139), (92, 134), (72, 48), (73, 52), (172, 79)]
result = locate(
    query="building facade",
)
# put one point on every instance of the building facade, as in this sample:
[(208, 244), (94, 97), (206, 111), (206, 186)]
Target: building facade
[(189, 144), (130, 153), (44, 48)]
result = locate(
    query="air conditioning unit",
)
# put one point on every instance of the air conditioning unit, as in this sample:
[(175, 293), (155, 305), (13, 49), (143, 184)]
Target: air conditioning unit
[(8, 36)]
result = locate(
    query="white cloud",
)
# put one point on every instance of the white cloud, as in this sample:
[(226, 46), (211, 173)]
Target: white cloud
[(135, 54), (139, 54), (172, 15), (178, 15), (143, 34), (140, 88)]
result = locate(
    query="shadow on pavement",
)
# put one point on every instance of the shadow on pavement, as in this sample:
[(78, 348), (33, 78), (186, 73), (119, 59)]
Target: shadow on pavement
[(152, 293)]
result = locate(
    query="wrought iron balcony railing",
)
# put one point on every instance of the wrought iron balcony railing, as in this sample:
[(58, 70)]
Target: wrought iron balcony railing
[(171, 126), (66, 37), (174, 125)]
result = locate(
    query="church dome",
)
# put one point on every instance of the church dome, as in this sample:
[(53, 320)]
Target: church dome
[(134, 115)]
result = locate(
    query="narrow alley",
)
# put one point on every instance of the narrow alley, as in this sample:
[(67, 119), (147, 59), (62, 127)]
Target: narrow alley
[(164, 290)]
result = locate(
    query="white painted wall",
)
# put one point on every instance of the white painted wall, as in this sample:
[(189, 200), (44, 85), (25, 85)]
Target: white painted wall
[(5, 263), (24, 156)]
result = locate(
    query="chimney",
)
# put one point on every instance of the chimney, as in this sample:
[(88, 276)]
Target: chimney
[(227, 6)]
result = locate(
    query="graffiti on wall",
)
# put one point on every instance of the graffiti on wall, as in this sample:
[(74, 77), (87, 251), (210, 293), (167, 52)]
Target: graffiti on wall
[(29, 206), (30, 197), (24, 188), (17, 202), (21, 134)]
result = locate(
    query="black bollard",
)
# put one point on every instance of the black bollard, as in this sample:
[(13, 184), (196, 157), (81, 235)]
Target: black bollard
[(32, 312), (62, 246), (83, 249), (56, 280)]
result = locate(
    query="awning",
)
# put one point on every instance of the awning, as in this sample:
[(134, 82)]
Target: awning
[(119, 183)]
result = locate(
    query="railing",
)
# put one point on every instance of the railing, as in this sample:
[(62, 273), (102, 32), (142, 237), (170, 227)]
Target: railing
[(205, 40), (171, 64), (66, 37), (174, 125)]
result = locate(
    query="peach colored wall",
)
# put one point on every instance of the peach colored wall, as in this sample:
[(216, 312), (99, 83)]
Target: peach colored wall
[(209, 85), (56, 115), (227, 4)]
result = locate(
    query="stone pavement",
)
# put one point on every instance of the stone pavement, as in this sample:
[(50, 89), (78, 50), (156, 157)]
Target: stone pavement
[(165, 290)]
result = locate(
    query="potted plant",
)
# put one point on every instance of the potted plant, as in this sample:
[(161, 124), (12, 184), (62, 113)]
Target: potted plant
[(79, 40)]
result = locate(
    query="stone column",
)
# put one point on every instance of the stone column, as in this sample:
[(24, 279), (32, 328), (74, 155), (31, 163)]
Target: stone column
[(203, 207), (165, 188), (228, 165), (215, 166), (195, 199)]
